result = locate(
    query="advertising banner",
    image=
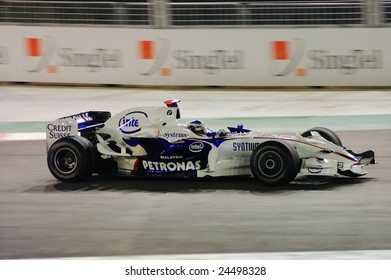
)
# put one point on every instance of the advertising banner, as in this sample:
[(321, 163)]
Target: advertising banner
[(196, 57)]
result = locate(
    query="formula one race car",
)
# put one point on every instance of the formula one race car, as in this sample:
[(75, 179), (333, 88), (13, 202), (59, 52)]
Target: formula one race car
[(151, 141)]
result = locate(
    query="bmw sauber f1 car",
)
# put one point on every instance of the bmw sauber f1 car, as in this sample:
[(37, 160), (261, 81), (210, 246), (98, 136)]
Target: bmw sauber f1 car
[(151, 141)]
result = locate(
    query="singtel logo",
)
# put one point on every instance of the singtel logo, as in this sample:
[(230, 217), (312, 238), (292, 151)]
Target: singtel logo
[(156, 57), (292, 57), (43, 54)]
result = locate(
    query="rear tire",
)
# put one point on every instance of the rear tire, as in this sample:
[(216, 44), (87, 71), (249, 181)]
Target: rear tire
[(275, 163), (71, 159)]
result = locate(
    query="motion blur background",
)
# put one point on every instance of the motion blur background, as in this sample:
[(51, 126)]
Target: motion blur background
[(197, 43)]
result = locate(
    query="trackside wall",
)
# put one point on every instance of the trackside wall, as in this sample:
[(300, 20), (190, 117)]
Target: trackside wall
[(196, 57)]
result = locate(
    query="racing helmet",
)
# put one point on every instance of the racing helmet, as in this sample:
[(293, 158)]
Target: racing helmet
[(197, 127)]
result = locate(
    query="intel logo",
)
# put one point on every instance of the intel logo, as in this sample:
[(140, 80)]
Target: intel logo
[(130, 123), (196, 147)]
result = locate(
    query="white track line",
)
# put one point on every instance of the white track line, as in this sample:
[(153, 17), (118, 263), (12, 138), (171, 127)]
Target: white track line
[(22, 136), (319, 255)]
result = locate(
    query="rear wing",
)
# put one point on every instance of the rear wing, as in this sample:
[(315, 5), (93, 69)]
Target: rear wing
[(58, 129), (90, 119), (71, 125)]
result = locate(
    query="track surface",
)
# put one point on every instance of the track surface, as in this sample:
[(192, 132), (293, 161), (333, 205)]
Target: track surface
[(108, 216)]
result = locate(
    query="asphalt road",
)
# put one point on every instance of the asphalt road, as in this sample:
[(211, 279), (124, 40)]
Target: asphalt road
[(108, 216)]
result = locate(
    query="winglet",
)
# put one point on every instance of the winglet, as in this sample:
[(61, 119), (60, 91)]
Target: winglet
[(172, 102)]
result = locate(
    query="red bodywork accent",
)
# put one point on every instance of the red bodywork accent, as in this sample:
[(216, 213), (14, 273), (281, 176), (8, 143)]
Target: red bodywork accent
[(135, 166)]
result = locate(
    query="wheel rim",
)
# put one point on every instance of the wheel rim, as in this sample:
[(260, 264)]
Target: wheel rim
[(270, 164), (65, 160)]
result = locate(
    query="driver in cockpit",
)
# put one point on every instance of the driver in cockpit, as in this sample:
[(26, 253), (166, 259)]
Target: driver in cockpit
[(198, 128)]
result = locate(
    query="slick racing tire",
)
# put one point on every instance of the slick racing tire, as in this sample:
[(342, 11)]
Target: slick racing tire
[(275, 163), (71, 159), (326, 133)]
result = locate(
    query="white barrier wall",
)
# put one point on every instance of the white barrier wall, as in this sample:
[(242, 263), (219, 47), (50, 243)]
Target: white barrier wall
[(223, 57)]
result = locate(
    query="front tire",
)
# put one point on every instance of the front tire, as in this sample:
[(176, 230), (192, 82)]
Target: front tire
[(71, 159), (326, 133), (275, 163)]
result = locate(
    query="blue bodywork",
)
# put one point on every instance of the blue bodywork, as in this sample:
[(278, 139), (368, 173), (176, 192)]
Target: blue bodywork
[(164, 157)]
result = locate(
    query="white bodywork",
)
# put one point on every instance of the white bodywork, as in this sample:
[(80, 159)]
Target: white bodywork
[(231, 156)]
